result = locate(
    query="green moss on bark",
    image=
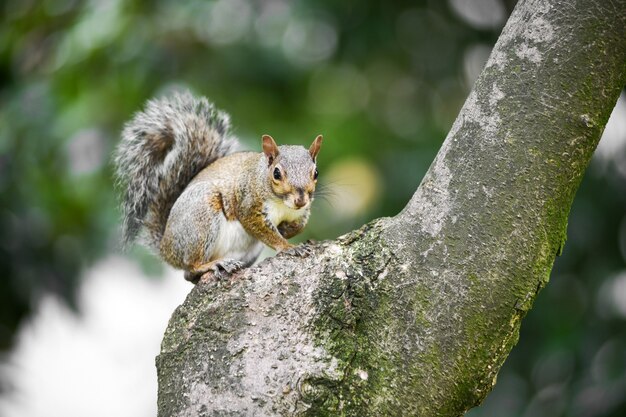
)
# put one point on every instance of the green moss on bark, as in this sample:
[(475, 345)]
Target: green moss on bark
[(415, 315)]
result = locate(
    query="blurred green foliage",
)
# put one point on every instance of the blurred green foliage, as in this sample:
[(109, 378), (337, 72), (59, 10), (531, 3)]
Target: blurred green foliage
[(382, 81)]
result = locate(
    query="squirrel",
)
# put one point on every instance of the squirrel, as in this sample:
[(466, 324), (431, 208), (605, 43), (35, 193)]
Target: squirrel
[(200, 205)]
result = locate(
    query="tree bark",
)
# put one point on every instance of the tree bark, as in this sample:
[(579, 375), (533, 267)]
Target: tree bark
[(414, 315)]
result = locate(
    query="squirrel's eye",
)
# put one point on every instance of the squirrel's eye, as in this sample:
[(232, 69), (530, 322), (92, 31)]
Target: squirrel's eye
[(315, 174), (277, 175)]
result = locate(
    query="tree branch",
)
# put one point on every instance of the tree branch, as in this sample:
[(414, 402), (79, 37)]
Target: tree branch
[(414, 315)]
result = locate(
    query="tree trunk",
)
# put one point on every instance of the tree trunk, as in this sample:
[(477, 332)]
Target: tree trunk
[(414, 315)]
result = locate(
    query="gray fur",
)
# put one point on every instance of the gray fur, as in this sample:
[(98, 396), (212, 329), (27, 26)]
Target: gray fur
[(162, 149)]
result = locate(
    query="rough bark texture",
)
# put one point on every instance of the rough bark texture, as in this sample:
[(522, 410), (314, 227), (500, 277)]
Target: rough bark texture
[(414, 315)]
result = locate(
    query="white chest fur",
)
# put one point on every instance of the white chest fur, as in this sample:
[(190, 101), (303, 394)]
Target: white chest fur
[(278, 212), (232, 241)]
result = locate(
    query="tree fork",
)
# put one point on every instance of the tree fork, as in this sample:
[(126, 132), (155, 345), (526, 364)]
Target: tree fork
[(415, 314)]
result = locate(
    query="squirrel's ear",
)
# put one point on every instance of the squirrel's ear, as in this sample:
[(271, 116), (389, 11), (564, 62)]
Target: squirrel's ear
[(315, 147), (270, 149)]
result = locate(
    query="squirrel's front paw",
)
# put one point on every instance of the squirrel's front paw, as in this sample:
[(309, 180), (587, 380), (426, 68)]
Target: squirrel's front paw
[(303, 250)]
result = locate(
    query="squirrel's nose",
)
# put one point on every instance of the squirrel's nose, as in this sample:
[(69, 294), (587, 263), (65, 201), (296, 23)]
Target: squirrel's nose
[(300, 200)]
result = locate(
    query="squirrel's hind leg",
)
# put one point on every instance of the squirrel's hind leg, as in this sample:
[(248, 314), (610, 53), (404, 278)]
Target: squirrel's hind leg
[(203, 240), (218, 269), (221, 268)]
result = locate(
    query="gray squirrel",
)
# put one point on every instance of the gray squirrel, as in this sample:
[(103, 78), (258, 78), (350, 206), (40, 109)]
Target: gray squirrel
[(200, 205)]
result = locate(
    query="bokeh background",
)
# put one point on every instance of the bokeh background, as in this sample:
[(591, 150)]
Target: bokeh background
[(81, 322)]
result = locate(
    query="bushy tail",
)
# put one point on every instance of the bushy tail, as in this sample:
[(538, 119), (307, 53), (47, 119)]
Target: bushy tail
[(162, 149)]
